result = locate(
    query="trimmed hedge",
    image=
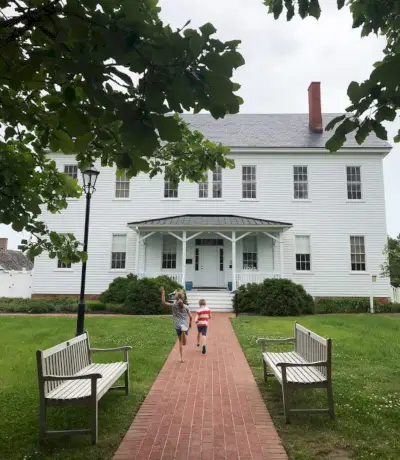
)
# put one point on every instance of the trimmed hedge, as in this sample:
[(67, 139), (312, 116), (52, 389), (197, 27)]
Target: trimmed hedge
[(54, 305), (354, 305), (273, 297)]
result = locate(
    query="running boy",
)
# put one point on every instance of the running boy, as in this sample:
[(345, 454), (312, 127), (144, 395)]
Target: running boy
[(203, 315), (181, 316)]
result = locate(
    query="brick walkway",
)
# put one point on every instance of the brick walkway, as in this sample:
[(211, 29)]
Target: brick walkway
[(208, 408)]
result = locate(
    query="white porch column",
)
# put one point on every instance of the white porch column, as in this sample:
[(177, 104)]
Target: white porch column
[(281, 256), (137, 259), (184, 258), (234, 261)]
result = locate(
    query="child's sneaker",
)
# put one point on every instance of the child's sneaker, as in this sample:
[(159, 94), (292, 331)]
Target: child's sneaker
[(203, 351)]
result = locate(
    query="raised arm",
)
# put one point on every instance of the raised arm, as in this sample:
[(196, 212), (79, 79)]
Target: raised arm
[(163, 301)]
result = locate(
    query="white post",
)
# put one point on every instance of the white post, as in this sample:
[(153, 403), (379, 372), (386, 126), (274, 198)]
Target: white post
[(137, 252), (234, 261), (371, 296), (281, 256), (183, 258)]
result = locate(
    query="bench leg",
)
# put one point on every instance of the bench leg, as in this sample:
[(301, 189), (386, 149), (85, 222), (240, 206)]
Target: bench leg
[(127, 381), (265, 372), (330, 401), (95, 421), (42, 421), (286, 402)]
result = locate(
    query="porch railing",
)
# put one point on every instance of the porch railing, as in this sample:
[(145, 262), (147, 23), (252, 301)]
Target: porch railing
[(174, 276), (253, 277), (396, 294)]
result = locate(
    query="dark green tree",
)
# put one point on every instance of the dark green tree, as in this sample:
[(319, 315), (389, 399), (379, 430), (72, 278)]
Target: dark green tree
[(391, 267), (101, 80), (377, 99)]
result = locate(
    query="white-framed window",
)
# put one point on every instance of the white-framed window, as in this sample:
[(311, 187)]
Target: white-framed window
[(122, 185), (170, 191), (169, 253), (203, 188), (250, 256), (303, 253), (354, 186), (61, 265), (249, 182), (300, 182), (118, 251), (357, 253), (71, 170), (217, 182)]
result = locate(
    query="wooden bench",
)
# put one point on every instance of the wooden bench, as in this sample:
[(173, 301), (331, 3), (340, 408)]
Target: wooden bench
[(67, 376), (308, 366)]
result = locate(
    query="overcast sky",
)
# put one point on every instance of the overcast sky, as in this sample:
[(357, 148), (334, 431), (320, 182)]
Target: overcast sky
[(283, 58)]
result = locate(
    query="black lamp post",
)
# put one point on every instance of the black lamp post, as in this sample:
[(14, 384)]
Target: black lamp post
[(89, 181)]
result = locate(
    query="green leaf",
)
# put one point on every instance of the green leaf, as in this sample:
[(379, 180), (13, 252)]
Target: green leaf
[(363, 131), (385, 113), (334, 122), (277, 7), (314, 9), (397, 137), (122, 75), (207, 30), (353, 91), (340, 4), (18, 226), (69, 94), (66, 144), (379, 130), (9, 132), (168, 128), (335, 142), (82, 142)]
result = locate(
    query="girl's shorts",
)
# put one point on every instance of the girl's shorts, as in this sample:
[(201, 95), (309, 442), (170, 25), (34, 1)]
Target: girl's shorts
[(179, 332)]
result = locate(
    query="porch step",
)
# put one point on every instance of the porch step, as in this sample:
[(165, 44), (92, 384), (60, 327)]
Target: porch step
[(218, 301)]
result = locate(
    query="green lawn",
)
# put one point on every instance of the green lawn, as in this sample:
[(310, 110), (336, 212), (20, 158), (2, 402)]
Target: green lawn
[(152, 339), (366, 373)]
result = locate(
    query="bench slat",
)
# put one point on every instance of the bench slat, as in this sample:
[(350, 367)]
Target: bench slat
[(79, 389)]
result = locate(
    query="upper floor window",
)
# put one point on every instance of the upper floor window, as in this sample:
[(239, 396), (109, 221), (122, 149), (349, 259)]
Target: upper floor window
[(303, 253), (250, 256), (203, 188), (354, 191), (217, 182), (249, 182), (122, 185), (169, 252), (300, 181), (71, 170), (118, 252), (62, 265), (169, 190), (357, 253)]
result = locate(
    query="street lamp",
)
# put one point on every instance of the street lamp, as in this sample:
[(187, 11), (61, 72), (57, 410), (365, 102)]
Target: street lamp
[(89, 181)]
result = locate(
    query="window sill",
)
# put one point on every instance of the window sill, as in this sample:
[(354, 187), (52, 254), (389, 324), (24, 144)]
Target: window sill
[(122, 199), (63, 270), (358, 273), (210, 199), (170, 199), (249, 199), (117, 270), (300, 200), (355, 201)]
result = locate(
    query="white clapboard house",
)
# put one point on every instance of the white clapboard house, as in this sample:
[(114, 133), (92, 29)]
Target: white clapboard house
[(288, 209)]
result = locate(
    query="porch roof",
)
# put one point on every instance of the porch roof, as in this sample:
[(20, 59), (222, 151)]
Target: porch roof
[(199, 221)]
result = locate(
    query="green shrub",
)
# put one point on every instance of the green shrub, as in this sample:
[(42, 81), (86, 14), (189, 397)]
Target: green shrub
[(273, 297), (117, 291), (353, 305), (144, 298)]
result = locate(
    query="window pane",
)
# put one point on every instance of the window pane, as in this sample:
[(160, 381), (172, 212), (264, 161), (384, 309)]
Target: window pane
[(249, 184), (354, 186), (122, 186), (300, 181), (61, 264), (71, 170), (169, 191), (357, 253), (303, 253), (203, 189), (250, 257), (169, 252), (217, 182), (118, 252)]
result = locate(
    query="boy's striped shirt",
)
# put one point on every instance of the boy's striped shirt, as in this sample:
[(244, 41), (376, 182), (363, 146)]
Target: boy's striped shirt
[(204, 314)]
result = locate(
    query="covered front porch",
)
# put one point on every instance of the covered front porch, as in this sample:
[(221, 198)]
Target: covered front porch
[(210, 251)]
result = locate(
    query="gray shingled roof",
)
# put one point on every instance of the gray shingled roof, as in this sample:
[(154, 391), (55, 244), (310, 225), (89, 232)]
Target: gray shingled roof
[(14, 260), (271, 131), (199, 220)]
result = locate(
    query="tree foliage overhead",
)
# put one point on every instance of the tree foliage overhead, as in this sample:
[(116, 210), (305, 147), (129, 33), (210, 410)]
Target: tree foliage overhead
[(391, 267), (377, 99), (101, 80)]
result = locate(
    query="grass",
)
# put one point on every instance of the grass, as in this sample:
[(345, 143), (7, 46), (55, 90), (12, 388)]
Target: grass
[(20, 337), (366, 386)]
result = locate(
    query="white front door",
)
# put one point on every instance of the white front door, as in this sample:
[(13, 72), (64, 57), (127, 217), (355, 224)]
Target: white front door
[(207, 268)]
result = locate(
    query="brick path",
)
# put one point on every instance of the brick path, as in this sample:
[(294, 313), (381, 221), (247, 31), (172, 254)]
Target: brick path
[(208, 408)]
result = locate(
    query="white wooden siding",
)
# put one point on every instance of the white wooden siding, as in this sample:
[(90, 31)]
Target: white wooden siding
[(327, 216)]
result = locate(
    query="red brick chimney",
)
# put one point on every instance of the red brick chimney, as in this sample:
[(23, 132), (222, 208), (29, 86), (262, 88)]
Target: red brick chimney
[(314, 107), (3, 243)]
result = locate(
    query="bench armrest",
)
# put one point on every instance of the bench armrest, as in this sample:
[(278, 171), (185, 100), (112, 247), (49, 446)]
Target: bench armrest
[(105, 350), (53, 378), (264, 342), (313, 364)]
